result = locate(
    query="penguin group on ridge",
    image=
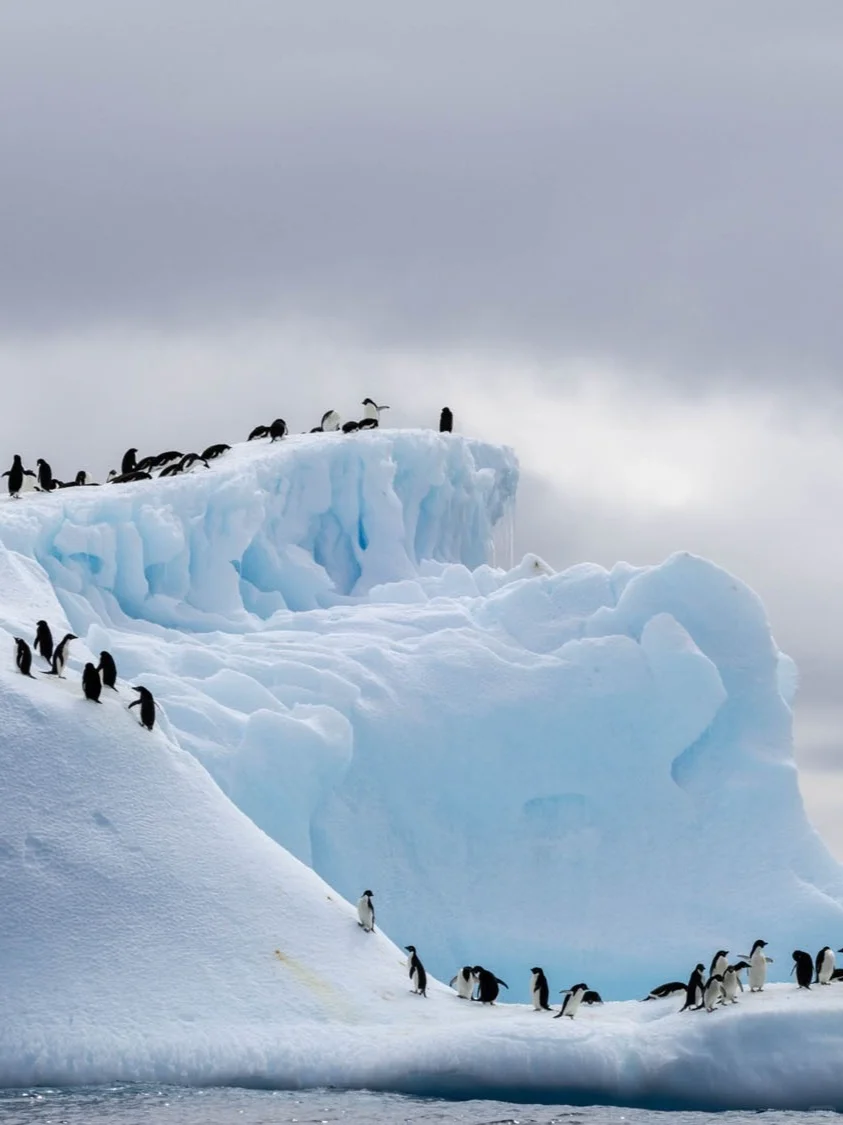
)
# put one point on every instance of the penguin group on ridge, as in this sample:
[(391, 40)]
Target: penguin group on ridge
[(94, 676), (173, 462)]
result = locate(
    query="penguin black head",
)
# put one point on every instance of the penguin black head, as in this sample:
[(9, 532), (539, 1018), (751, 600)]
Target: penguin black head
[(366, 894), (143, 692), (739, 965), (368, 402), (700, 968), (536, 969), (840, 950), (410, 948)]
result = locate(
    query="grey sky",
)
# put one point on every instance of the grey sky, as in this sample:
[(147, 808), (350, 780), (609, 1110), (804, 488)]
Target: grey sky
[(610, 233)]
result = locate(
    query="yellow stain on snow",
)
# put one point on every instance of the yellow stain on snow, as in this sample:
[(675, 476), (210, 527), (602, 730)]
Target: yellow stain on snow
[(331, 997)]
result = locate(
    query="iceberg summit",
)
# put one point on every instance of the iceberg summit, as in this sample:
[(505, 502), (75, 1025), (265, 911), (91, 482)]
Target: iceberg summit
[(590, 771)]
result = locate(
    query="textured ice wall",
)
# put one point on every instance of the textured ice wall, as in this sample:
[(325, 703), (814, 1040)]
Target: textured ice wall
[(589, 770)]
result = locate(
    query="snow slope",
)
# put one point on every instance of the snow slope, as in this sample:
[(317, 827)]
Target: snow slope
[(589, 770)]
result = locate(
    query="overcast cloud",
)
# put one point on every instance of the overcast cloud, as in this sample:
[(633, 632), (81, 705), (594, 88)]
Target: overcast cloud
[(609, 233)]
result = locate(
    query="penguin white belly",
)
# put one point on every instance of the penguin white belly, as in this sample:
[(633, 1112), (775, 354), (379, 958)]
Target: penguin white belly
[(365, 914), (713, 993), (757, 972), (465, 987), (730, 987), (826, 968), (534, 991), (572, 1003)]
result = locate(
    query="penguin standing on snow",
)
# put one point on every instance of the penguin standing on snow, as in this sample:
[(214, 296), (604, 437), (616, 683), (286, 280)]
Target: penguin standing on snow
[(487, 985), (446, 421), (129, 464), (45, 476), (371, 414), (16, 475), (147, 706), (366, 912), (60, 656), (417, 974), (719, 963), (804, 968), (694, 990), (713, 992), (330, 423), (23, 657), (539, 990), (43, 640), (573, 998), (732, 982), (91, 683), (824, 965), (758, 966), (277, 430), (108, 670), (463, 982)]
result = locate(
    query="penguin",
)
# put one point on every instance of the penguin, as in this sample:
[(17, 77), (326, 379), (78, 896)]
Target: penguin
[(367, 424), (663, 990), (145, 464), (539, 990), (80, 480), (372, 412), (463, 982), (446, 421), (824, 965), (277, 430), (108, 669), (487, 985), (804, 968), (129, 464), (215, 451), (189, 460), (112, 476), (166, 457), (60, 656), (127, 478), (170, 471), (23, 657), (43, 642), (592, 997), (573, 998), (45, 476), (259, 432), (719, 963), (16, 475), (758, 966), (91, 683), (417, 974), (366, 912), (732, 982), (694, 990), (330, 422), (713, 992), (147, 706), (837, 974), (350, 427)]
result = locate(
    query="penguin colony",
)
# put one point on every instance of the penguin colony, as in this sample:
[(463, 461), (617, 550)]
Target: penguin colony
[(173, 463), (719, 987), (94, 677)]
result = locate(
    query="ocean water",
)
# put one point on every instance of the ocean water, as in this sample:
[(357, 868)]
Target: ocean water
[(148, 1105)]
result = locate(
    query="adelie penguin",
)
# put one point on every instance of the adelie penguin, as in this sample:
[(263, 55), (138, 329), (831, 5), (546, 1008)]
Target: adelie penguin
[(732, 983), (417, 974), (573, 998), (824, 965), (277, 430), (719, 963), (259, 432), (713, 992), (146, 702), (330, 423), (45, 476), (129, 464), (463, 982), (446, 421), (366, 912), (539, 990), (371, 414), (758, 962), (487, 985), (694, 989), (215, 451), (23, 657), (663, 990), (803, 967), (43, 640), (108, 670), (16, 475), (60, 656), (91, 683)]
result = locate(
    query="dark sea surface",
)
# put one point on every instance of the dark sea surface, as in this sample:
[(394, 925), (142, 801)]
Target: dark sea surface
[(144, 1105)]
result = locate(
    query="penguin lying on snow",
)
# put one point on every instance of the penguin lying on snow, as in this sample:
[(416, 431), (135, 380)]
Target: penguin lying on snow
[(463, 982), (417, 974), (663, 990), (215, 451), (366, 912)]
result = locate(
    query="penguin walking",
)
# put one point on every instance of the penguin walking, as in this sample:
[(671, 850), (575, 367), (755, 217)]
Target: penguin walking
[(713, 992), (371, 414), (23, 657), (366, 912), (539, 990), (487, 984), (446, 421), (668, 989), (43, 640), (463, 982), (277, 430), (694, 990), (824, 965), (91, 683), (417, 974), (108, 670), (803, 967), (573, 998), (758, 962), (146, 702), (732, 983), (60, 656), (16, 475), (719, 963)]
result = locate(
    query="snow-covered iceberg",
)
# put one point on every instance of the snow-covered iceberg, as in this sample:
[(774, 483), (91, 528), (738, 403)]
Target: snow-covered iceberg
[(589, 770)]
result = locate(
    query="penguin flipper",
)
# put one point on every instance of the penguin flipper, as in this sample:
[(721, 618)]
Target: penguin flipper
[(498, 979)]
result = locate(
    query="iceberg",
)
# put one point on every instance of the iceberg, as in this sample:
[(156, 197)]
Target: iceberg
[(589, 770)]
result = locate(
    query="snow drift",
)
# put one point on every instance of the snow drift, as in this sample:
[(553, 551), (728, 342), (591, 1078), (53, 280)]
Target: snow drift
[(589, 770)]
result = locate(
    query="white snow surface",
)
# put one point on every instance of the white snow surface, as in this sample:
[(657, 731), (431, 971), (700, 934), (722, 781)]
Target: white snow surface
[(588, 770)]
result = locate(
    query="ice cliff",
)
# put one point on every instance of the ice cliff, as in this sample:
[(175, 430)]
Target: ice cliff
[(589, 770)]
